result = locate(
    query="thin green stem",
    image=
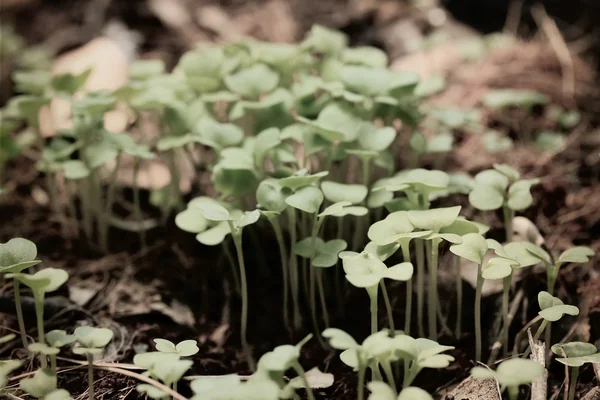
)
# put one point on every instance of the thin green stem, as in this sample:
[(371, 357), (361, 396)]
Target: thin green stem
[(420, 247), (432, 294), (312, 278), (19, 310), (284, 268), (38, 299), (324, 311), (506, 282), (110, 199), (387, 369), (478, 313), (388, 307), (361, 382), (231, 262), (573, 382), (373, 308), (237, 240), (300, 371), (509, 215), (513, 392), (294, 267), (90, 359), (408, 306), (53, 363), (459, 296)]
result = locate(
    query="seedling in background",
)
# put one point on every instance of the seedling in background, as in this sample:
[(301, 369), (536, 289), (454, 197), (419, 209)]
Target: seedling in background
[(575, 355), (42, 384), (257, 387), (501, 188), (364, 270), (17, 255), (165, 367), (42, 282), (511, 374), (91, 341), (57, 339), (183, 349), (235, 223), (6, 368), (381, 391)]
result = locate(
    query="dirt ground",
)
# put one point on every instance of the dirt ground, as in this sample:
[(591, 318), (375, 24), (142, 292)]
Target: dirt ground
[(176, 290)]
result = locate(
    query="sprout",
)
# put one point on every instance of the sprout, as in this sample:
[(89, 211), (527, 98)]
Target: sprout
[(7, 367), (504, 98), (42, 384), (55, 339), (91, 341), (253, 81), (366, 271), (17, 255), (435, 220), (510, 374), (574, 355), (166, 367), (258, 387), (183, 349), (231, 223), (42, 282), (283, 358), (500, 187)]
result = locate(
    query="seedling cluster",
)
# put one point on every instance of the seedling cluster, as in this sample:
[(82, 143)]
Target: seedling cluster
[(303, 137)]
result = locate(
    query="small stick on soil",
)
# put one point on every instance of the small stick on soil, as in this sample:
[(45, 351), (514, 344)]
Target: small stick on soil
[(514, 307), (539, 387)]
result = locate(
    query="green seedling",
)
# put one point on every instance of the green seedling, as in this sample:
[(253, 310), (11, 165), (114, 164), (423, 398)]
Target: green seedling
[(183, 349), (283, 358), (17, 255), (6, 368), (42, 384), (435, 220), (511, 374), (234, 223), (575, 355), (397, 229), (55, 339), (501, 188), (496, 142), (7, 338), (42, 282), (381, 391), (91, 341), (165, 367), (552, 309), (505, 98), (473, 248), (364, 270)]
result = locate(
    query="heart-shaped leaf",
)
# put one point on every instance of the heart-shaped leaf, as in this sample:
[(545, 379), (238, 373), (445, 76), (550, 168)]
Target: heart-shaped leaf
[(486, 197), (300, 179), (93, 337), (59, 338), (271, 195), (171, 371), (492, 177), (281, 358), (472, 248), (395, 227), (512, 372), (307, 199), (214, 235), (519, 195), (552, 308), (44, 281), (334, 123), (75, 170), (191, 220), (336, 192), (214, 212), (371, 138), (497, 268), (17, 254), (217, 135), (338, 339), (149, 360), (43, 348), (523, 252), (399, 272), (434, 219), (579, 254), (328, 253), (253, 81)]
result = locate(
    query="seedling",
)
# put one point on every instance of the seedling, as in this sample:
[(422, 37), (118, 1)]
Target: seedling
[(381, 391), (366, 271), (56, 339), (574, 355), (511, 374), (552, 309), (17, 255), (42, 282), (6, 368), (397, 229), (235, 223), (166, 367), (91, 341), (435, 220), (283, 358), (42, 384), (183, 349), (420, 353), (258, 387), (501, 187)]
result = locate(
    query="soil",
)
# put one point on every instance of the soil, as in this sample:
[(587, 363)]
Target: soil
[(178, 289)]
